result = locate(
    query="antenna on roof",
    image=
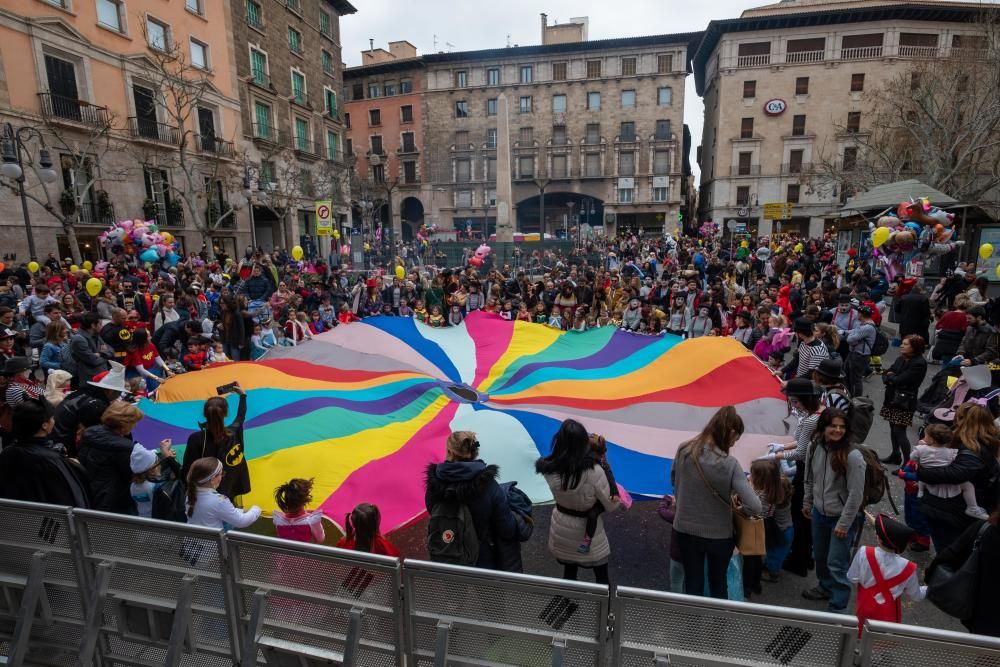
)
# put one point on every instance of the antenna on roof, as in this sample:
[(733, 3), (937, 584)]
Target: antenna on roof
[(450, 46), (508, 40), (435, 42), (371, 43)]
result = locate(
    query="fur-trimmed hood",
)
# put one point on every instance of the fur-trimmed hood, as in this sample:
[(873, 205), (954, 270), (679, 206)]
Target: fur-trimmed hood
[(459, 481)]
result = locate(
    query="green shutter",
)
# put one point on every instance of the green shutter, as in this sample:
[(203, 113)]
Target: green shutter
[(301, 134), (258, 64), (298, 87), (331, 145), (262, 114)]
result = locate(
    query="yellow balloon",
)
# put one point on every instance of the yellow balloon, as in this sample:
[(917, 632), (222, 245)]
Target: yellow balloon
[(87, 264), (167, 237), (33, 266), (74, 268), (400, 273), (94, 286), (743, 244), (798, 247), (986, 251), (880, 236), (297, 253), (336, 233), (998, 270)]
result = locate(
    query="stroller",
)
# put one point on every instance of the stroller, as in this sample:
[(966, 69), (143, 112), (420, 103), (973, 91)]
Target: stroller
[(974, 385)]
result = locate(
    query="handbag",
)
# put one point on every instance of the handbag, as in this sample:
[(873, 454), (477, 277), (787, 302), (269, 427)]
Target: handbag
[(902, 399), (748, 529), (954, 591)]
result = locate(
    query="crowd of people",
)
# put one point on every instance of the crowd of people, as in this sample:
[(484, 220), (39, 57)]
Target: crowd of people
[(76, 353)]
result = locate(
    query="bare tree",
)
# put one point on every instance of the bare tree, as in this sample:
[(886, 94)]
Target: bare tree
[(282, 184), (937, 121)]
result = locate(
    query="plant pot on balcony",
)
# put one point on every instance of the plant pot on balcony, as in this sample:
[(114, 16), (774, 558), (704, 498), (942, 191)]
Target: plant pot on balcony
[(149, 209), (67, 202)]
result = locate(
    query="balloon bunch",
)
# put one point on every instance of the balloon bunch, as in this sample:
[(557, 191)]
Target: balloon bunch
[(709, 229), (918, 229), (142, 239), (482, 252)]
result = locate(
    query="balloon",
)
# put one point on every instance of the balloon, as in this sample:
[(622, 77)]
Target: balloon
[(2, 266), (986, 251), (167, 237), (400, 273), (880, 236), (74, 268), (336, 234), (998, 270), (87, 264), (149, 255), (297, 253), (94, 286), (798, 247), (173, 258), (743, 243), (475, 261), (33, 266), (345, 249)]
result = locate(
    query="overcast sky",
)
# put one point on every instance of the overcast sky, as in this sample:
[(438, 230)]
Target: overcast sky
[(466, 25)]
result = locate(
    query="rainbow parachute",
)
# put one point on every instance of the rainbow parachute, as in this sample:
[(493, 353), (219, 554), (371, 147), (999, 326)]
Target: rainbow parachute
[(363, 408)]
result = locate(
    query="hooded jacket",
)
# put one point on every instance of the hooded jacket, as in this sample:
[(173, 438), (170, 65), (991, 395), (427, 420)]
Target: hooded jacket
[(500, 529), (105, 456)]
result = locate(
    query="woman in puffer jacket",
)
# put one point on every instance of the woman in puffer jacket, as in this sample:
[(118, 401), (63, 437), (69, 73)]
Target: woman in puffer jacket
[(577, 482)]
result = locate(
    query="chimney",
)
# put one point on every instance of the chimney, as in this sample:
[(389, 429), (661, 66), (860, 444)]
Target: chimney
[(545, 24)]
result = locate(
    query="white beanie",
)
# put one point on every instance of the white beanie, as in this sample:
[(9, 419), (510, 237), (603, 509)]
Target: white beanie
[(142, 459)]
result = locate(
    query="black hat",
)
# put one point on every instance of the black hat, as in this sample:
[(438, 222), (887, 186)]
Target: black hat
[(15, 365), (745, 315), (893, 534), (801, 387), (831, 368), (844, 298), (803, 326)]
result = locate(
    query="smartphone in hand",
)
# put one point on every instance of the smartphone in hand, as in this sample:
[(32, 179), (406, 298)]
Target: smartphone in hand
[(226, 388)]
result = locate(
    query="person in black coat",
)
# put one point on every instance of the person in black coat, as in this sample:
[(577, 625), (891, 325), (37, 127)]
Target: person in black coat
[(223, 442), (986, 617), (34, 468), (170, 333), (105, 452), (914, 313), (464, 478), (902, 384), (978, 443)]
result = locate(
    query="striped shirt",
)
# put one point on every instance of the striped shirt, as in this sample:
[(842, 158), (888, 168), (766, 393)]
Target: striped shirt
[(810, 354)]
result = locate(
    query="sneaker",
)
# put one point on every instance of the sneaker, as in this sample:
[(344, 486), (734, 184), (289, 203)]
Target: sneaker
[(584, 548), (816, 593), (977, 512)]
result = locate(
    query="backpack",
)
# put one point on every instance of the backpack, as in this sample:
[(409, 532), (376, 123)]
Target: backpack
[(451, 535), (876, 479), (881, 344), (169, 501), (860, 415)]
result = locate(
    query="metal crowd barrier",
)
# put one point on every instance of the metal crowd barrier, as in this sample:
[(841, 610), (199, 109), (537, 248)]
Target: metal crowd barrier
[(887, 644)]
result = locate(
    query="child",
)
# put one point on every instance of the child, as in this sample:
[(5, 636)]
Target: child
[(420, 312), (776, 361), (173, 363), (556, 320), (316, 323), (436, 319), (455, 316), (404, 309), (507, 312), (146, 479), (197, 355), (327, 313), (523, 314), (217, 354), (261, 341), (775, 492), (292, 521), (883, 576), (934, 451), (580, 321), (206, 506), (604, 319), (346, 315), (540, 316), (598, 450), (362, 526)]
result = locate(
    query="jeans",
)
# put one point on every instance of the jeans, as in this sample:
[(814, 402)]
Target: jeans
[(857, 368), (776, 553), (695, 553), (833, 557), (915, 518)]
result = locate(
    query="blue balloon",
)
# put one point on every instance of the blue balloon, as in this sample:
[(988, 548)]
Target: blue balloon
[(149, 255), (172, 258)]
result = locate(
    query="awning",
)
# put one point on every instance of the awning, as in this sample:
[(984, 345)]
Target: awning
[(890, 195)]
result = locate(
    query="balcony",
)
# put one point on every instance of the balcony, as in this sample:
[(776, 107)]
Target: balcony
[(145, 129), (409, 149), (56, 107), (796, 168), (861, 53), (919, 51), (261, 79), (805, 56), (220, 147), (745, 170), (300, 98), (255, 21), (754, 61), (307, 148), (297, 49), (265, 132)]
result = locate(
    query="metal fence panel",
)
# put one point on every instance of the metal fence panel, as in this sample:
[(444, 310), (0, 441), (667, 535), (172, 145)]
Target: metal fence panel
[(499, 618), (168, 598), (685, 630), (40, 567), (315, 603), (889, 644)]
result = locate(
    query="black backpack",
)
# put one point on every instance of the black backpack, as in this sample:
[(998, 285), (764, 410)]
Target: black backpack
[(170, 499), (451, 535), (861, 414), (881, 344)]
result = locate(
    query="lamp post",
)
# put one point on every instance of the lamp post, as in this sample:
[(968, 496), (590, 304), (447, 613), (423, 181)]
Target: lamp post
[(13, 168), (542, 183), (569, 216), (248, 192)]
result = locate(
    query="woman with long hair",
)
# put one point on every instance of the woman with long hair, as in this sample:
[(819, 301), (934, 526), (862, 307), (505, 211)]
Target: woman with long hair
[(834, 498), (577, 482), (705, 478), (55, 348), (221, 441), (902, 383), (233, 328), (205, 505), (977, 439)]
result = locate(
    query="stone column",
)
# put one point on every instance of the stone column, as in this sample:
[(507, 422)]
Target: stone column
[(505, 203)]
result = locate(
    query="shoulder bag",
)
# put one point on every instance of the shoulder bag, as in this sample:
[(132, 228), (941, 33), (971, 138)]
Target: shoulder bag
[(748, 529), (955, 591)]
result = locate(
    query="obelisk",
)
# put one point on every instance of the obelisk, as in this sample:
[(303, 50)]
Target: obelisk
[(505, 203)]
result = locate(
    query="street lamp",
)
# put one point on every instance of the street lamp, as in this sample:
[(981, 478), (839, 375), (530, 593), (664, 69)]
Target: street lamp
[(542, 183), (569, 217), (248, 192), (13, 168)]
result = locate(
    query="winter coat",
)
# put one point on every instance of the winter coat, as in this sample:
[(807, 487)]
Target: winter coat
[(914, 315), (981, 469), (566, 532), (88, 359), (906, 374), (105, 456), (986, 617), (979, 344), (80, 409), (500, 529), (39, 472)]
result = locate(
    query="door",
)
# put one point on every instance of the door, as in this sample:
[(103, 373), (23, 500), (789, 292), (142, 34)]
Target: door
[(64, 95), (145, 112), (206, 128)]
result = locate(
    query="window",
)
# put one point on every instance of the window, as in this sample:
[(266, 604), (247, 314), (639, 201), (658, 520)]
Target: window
[(327, 60), (357, 91), (743, 195), (857, 83), (194, 6), (330, 102), (266, 172), (294, 40), (461, 79), (463, 171), (262, 121), (628, 66), (332, 141), (405, 86), (558, 104), (746, 128), (593, 69), (348, 146), (795, 161), (745, 159), (493, 76), (491, 137), (628, 99), (527, 73), (524, 104), (661, 162), (389, 89), (374, 117), (664, 63), (298, 87), (558, 71), (914, 81), (626, 163), (526, 166), (627, 132), (378, 173), (592, 164), (491, 169), (406, 113), (374, 90), (347, 120), (659, 194), (258, 66), (526, 135), (409, 143), (792, 195), (664, 96), (854, 121), (461, 109), (158, 190), (463, 198), (109, 14), (491, 196), (199, 54), (663, 130), (409, 171), (255, 15), (802, 85), (376, 141), (749, 89), (559, 135), (558, 166), (799, 125), (302, 135), (491, 106), (850, 158), (158, 35), (625, 195), (593, 101), (462, 139), (324, 24), (593, 134)]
